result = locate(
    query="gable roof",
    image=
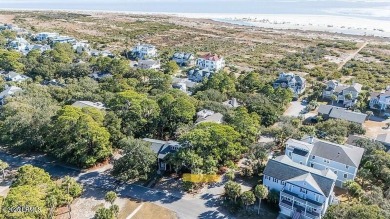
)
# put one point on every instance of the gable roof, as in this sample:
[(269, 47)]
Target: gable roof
[(345, 154), (283, 168), (384, 138), (307, 178), (211, 57), (162, 148), (341, 113)]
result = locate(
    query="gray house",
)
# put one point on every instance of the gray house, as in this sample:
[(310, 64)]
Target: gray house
[(197, 75), (162, 149), (333, 112), (345, 94), (343, 160), (184, 59), (295, 83), (304, 192)]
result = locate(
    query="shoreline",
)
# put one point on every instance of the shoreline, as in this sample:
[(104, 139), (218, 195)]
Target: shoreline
[(314, 23)]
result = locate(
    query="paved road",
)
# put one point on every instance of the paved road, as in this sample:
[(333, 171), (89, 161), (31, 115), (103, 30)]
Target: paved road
[(205, 207)]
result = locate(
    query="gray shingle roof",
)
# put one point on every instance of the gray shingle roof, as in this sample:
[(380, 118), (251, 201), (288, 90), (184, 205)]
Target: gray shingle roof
[(308, 178), (341, 113), (345, 154), (283, 168)]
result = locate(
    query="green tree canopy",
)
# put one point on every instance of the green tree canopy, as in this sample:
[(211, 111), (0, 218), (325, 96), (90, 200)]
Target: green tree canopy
[(83, 138), (25, 118), (138, 161), (219, 141)]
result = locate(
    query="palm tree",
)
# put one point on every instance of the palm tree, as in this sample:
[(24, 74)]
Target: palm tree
[(230, 175), (369, 114), (110, 197), (3, 166), (67, 181), (233, 190), (333, 98), (260, 192), (248, 198), (52, 203)]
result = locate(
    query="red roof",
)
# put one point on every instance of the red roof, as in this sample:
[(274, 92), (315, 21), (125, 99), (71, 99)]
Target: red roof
[(211, 57)]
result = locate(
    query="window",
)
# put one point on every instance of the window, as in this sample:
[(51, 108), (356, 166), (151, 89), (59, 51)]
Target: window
[(275, 180), (303, 190), (283, 182), (335, 172), (346, 166), (300, 162), (313, 157), (317, 198), (345, 175), (312, 165), (289, 153), (326, 161)]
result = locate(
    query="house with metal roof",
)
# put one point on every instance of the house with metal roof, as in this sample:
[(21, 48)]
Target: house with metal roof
[(295, 83), (343, 160), (333, 112), (345, 94), (304, 192), (162, 149)]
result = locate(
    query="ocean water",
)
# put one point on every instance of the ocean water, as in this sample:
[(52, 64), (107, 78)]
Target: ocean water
[(368, 17)]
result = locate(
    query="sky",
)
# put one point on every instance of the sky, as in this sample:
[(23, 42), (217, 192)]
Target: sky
[(375, 9)]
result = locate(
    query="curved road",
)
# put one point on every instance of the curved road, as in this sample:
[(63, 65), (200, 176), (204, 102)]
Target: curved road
[(205, 207)]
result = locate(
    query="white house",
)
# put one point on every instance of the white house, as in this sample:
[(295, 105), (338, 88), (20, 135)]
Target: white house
[(13, 76), (304, 192), (342, 160), (143, 51), (149, 64), (342, 91), (211, 61), (80, 47), (8, 91), (45, 35)]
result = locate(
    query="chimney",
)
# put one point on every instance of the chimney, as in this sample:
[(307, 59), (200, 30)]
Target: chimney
[(311, 139)]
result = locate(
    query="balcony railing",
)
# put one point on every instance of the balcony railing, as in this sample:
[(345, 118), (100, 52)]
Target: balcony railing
[(289, 205), (294, 196)]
